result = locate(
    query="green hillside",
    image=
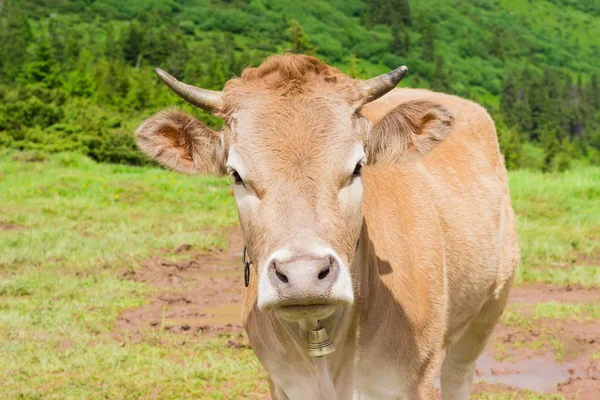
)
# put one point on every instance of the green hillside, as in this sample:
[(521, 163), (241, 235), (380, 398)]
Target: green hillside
[(76, 74)]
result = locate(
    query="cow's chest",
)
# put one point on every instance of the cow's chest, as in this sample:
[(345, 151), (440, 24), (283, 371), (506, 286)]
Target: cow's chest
[(378, 381), (359, 383)]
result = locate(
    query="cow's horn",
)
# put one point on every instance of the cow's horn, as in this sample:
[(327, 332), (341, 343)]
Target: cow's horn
[(376, 87), (208, 100)]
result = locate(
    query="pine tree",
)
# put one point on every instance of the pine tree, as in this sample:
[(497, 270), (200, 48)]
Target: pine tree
[(113, 84), (508, 100), (522, 109), (15, 37), (550, 144), (112, 48), (299, 39), (354, 69), (133, 43), (428, 43), (594, 92), (511, 147), (400, 39), (43, 69), (81, 82), (497, 45), (138, 97), (439, 81), (389, 12)]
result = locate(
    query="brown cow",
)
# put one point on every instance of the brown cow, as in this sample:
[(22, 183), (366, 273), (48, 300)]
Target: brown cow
[(381, 223)]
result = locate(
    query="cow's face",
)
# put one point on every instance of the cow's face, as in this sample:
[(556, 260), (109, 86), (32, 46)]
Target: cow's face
[(296, 153), (297, 164)]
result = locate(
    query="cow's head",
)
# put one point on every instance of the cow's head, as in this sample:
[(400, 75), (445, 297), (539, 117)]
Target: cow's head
[(295, 145)]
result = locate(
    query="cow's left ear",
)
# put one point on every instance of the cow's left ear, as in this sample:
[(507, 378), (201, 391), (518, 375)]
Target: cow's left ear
[(182, 143), (407, 132)]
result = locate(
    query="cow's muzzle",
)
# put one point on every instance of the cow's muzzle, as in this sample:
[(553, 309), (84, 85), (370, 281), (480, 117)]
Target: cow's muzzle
[(305, 286)]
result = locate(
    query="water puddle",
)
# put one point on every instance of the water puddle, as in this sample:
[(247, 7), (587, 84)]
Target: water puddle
[(536, 374)]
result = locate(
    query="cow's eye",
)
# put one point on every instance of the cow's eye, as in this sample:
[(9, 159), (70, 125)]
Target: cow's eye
[(236, 178), (357, 170)]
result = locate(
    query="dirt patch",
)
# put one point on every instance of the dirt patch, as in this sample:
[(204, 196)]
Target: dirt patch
[(553, 356), (199, 292), (541, 293), (587, 388), (5, 226), (592, 260)]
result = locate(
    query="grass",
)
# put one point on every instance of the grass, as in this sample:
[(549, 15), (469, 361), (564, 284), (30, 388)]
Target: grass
[(75, 212), (514, 315), (67, 225), (159, 367), (511, 395), (558, 217)]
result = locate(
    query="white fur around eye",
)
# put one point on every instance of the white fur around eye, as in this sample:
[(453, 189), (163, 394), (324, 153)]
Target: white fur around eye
[(352, 194), (235, 162), (246, 200)]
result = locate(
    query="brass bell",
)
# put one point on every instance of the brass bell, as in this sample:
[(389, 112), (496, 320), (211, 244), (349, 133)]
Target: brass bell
[(319, 343)]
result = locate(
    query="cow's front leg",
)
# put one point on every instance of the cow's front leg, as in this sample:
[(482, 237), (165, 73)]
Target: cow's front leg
[(276, 392), (424, 391)]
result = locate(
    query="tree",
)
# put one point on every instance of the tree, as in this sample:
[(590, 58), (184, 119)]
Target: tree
[(355, 71), (299, 39), (439, 80), (112, 48), (428, 43), (81, 82), (133, 43), (138, 98), (400, 39), (43, 69), (497, 45), (15, 37), (508, 99), (389, 12), (113, 83), (551, 149), (511, 147)]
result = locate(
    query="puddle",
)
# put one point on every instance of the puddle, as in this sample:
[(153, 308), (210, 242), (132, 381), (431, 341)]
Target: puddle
[(536, 374)]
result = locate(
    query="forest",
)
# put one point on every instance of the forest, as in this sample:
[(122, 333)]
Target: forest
[(76, 75)]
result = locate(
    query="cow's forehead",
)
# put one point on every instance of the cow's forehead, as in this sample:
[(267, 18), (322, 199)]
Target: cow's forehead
[(294, 134)]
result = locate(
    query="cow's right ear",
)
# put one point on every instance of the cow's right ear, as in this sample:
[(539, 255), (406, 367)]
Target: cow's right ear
[(408, 132), (182, 143)]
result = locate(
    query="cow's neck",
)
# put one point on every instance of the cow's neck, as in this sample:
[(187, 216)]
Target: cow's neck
[(336, 369)]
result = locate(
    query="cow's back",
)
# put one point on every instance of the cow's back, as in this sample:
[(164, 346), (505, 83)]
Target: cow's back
[(463, 183)]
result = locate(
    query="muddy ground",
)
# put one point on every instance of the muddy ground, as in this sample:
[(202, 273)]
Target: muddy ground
[(199, 294)]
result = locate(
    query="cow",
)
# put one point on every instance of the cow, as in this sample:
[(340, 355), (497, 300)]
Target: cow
[(381, 242)]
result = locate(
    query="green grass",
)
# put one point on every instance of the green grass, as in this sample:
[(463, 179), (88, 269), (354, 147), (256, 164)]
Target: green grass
[(558, 217), (526, 317), (75, 212), (522, 395), (159, 367), (67, 225)]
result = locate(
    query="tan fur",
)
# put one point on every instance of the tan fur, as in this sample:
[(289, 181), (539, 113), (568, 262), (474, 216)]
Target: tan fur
[(438, 245), (181, 142), (409, 131)]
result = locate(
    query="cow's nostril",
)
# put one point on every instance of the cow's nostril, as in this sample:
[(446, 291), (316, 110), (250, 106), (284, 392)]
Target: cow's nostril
[(281, 276), (324, 272)]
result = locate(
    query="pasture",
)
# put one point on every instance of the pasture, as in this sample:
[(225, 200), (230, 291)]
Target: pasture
[(124, 282)]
